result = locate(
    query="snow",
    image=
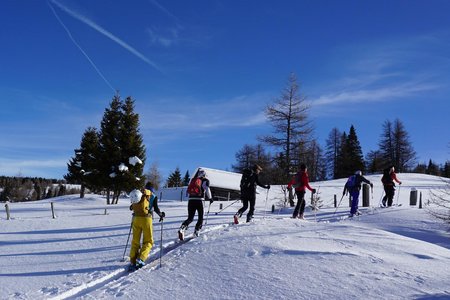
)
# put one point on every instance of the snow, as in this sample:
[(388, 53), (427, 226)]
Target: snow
[(390, 253), (123, 167), (134, 160)]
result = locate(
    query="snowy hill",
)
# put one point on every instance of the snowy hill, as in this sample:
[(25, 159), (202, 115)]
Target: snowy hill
[(390, 253)]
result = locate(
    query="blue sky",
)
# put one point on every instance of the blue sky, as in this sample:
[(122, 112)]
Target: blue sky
[(201, 73)]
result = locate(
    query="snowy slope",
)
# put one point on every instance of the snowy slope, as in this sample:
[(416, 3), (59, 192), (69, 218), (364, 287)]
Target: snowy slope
[(392, 253)]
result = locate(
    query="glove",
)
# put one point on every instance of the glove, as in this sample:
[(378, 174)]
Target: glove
[(371, 185), (343, 193), (211, 201), (162, 215), (268, 187), (313, 191), (400, 183)]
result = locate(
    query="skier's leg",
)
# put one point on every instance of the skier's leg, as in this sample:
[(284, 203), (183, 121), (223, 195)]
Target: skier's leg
[(243, 208), (355, 200), (302, 202), (391, 196), (136, 241), (147, 242), (297, 207), (251, 210), (199, 209), (191, 214)]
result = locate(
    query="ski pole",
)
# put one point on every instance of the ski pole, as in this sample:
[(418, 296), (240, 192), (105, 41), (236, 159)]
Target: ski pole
[(339, 204), (160, 244), (207, 214), (381, 198), (265, 204), (398, 194), (227, 206), (128, 239)]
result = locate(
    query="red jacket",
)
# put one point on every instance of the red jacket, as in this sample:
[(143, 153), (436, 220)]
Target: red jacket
[(304, 180)]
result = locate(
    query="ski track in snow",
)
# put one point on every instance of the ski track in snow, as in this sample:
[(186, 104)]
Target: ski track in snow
[(326, 236)]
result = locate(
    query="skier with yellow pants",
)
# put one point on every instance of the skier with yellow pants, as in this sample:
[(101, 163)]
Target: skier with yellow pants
[(142, 206)]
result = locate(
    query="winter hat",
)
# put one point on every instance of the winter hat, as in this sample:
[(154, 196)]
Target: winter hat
[(303, 167), (149, 186), (257, 167), (135, 196), (358, 173), (201, 173)]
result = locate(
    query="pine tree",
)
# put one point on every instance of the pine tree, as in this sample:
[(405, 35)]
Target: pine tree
[(432, 168), (245, 158), (333, 144), (174, 179), (110, 152), (132, 148), (386, 145), (186, 178), (289, 117), (395, 147), (374, 162), (405, 156), (350, 156)]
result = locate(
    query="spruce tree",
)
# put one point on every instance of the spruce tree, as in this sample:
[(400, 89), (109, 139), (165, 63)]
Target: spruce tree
[(186, 178), (110, 152), (174, 179), (132, 149)]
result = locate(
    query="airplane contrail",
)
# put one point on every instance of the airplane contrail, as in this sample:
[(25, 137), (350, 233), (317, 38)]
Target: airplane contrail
[(81, 49), (106, 33)]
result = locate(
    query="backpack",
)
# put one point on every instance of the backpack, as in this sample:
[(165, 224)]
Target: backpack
[(195, 187), (246, 181), (386, 179), (351, 182), (298, 182)]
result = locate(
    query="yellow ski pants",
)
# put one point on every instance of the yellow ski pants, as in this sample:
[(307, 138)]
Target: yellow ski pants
[(142, 226)]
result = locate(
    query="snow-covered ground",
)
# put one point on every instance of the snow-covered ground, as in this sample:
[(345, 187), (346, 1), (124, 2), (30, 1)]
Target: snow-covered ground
[(391, 253)]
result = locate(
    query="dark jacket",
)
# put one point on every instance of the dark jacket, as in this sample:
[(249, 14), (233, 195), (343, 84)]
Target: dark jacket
[(358, 181), (250, 189)]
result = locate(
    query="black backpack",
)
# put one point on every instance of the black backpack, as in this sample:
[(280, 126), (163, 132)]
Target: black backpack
[(386, 179), (246, 181)]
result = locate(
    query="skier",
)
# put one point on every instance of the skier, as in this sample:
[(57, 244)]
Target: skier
[(249, 181), (300, 181), (353, 186), (197, 191), (388, 179), (143, 205)]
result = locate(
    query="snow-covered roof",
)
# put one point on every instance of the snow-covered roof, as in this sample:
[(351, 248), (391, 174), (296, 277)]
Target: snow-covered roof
[(222, 179)]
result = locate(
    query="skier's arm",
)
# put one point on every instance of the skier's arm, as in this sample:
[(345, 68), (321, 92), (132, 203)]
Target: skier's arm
[(205, 185), (365, 180), (394, 177), (260, 184), (305, 179), (155, 206)]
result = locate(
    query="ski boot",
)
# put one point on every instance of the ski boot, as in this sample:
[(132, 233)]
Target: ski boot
[(181, 232), (301, 217), (236, 219), (139, 264), (197, 232)]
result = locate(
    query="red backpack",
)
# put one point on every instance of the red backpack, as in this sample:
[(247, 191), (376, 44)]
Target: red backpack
[(195, 187)]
